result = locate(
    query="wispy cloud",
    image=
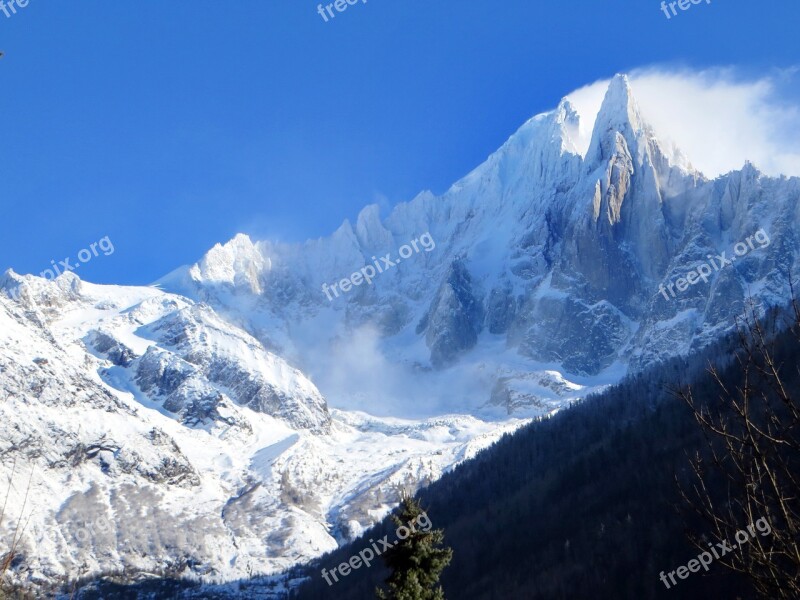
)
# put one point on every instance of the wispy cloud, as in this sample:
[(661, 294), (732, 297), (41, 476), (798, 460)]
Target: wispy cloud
[(719, 118)]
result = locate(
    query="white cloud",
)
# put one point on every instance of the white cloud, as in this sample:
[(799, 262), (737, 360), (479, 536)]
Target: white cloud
[(718, 118)]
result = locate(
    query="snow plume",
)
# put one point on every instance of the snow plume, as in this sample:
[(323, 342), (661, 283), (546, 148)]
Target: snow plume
[(358, 371), (718, 118), (355, 361), (358, 357)]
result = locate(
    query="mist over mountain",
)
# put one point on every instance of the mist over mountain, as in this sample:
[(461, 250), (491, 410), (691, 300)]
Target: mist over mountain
[(545, 280), (257, 424)]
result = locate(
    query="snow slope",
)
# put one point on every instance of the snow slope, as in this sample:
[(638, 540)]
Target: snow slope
[(159, 438), (241, 422)]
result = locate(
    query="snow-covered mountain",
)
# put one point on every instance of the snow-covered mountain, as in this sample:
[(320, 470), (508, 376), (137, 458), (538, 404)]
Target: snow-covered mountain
[(248, 418), (548, 266), (160, 439)]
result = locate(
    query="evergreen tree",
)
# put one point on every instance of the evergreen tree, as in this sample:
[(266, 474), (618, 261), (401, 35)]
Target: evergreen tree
[(418, 560)]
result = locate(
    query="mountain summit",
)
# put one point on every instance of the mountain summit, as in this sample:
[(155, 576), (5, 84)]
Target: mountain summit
[(259, 421), (546, 261)]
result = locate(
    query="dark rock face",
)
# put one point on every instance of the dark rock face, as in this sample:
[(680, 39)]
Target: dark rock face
[(112, 459), (119, 354), (501, 309), (584, 338), (194, 377), (454, 318), (160, 373)]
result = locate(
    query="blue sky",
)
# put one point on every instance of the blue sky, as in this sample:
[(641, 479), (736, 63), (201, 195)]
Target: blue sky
[(171, 126)]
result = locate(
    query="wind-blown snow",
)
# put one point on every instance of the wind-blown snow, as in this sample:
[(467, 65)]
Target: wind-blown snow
[(240, 423)]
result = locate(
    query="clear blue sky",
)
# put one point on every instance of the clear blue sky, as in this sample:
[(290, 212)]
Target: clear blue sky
[(169, 126)]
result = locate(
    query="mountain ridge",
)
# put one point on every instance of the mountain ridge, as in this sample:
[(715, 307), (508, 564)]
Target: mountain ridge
[(547, 242), (240, 401)]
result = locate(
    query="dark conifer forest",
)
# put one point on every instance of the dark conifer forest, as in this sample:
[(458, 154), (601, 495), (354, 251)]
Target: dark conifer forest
[(582, 505)]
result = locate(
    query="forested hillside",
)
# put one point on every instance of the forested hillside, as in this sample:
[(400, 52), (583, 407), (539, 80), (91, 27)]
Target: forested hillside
[(582, 505)]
